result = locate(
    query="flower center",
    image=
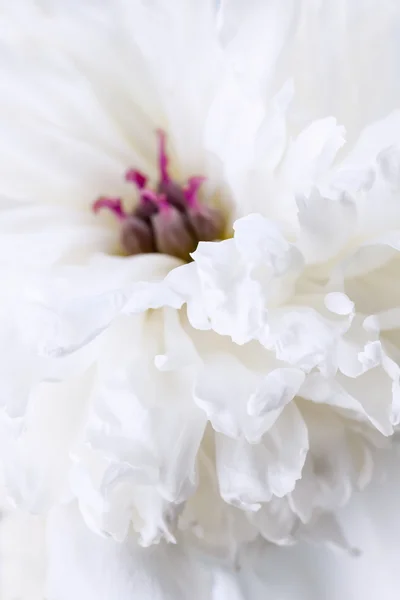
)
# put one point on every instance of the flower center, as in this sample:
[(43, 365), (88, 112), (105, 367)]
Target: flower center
[(170, 220)]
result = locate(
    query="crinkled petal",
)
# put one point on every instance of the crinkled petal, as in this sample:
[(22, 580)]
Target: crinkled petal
[(250, 474), (239, 402)]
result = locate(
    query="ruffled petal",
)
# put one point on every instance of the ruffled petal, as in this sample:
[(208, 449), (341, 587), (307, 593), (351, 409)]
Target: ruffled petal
[(142, 432), (243, 403), (250, 474)]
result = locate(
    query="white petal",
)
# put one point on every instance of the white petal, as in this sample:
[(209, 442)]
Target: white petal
[(276, 522), (251, 474), (325, 226), (277, 389), (339, 303), (233, 300), (312, 152), (143, 429), (374, 138), (86, 567), (240, 402), (36, 459), (72, 306)]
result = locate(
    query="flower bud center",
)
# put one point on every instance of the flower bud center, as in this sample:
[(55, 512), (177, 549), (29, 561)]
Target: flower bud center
[(170, 220)]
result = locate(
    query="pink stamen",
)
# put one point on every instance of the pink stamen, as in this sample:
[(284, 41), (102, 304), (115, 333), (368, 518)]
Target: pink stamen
[(169, 219), (149, 196), (137, 178), (162, 156), (163, 203), (191, 189), (160, 200), (112, 204)]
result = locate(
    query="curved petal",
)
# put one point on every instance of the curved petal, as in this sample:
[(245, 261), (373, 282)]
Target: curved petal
[(250, 474)]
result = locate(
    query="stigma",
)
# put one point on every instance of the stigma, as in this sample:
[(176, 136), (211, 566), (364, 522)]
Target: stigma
[(170, 219)]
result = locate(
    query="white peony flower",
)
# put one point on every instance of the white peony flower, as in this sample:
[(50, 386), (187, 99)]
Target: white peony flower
[(200, 310)]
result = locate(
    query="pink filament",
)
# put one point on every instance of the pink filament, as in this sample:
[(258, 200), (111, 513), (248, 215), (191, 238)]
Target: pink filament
[(162, 156), (136, 177), (112, 204), (163, 203), (192, 188), (149, 196)]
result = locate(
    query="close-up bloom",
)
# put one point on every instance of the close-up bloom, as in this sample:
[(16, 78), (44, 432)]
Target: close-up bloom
[(200, 309)]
